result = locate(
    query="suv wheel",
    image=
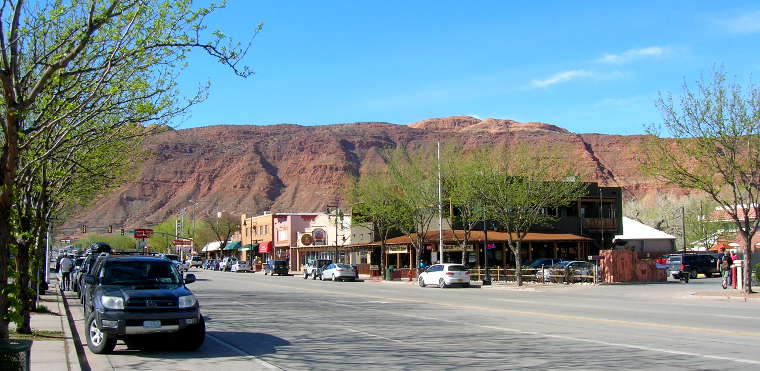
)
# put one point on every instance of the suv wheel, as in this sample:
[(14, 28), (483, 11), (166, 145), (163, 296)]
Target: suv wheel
[(693, 274), (441, 283), (98, 341), (421, 281), (192, 337), (305, 275), (314, 277)]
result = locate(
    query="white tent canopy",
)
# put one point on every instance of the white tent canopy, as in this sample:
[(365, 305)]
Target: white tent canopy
[(212, 246), (633, 230)]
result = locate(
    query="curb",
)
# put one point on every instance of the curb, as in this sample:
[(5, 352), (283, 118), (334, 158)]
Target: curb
[(76, 349)]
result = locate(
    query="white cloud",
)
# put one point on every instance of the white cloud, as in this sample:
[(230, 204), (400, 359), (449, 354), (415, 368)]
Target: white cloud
[(561, 77), (632, 54), (746, 23)]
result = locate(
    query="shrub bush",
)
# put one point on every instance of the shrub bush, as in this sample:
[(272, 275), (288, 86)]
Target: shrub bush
[(757, 272)]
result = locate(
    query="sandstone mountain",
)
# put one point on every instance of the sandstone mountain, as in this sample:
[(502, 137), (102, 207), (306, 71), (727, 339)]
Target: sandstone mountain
[(288, 168)]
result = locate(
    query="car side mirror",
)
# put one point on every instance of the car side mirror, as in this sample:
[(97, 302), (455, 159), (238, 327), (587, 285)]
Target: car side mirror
[(190, 278), (89, 279)]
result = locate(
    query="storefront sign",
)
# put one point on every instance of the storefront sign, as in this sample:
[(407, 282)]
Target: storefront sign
[(319, 236), (397, 250), (307, 239), (452, 248), (374, 267)]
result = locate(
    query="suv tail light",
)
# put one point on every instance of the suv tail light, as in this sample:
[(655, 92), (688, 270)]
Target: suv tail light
[(449, 273), (683, 267), (339, 269)]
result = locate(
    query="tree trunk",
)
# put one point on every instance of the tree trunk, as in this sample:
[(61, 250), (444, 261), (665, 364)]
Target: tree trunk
[(518, 265), (747, 264), (24, 287), (8, 167)]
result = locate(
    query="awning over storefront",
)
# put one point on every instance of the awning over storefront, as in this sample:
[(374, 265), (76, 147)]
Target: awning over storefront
[(232, 245), (212, 246), (250, 247), (265, 247), (450, 236)]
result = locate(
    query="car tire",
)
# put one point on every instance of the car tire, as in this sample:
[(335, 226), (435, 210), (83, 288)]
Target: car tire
[(421, 282), (314, 277), (442, 283), (305, 275), (192, 337), (334, 279), (693, 274), (98, 341)]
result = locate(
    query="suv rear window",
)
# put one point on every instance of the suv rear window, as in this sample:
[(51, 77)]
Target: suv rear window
[(140, 272)]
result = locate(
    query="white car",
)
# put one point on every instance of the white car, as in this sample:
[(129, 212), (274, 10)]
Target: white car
[(240, 266), (445, 275), (338, 272), (195, 261)]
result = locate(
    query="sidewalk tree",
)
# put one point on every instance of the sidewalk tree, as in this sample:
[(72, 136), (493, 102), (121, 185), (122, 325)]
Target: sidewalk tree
[(223, 225), (460, 183), (416, 189), (90, 67), (375, 202), (519, 185), (714, 147)]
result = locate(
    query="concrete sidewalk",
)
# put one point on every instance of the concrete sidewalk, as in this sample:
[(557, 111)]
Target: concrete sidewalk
[(52, 355)]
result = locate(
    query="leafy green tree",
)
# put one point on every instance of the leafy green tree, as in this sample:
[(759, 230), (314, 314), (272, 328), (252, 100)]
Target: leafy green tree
[(461, 185), (716, 128), (518, 185), (68, 68), (375, 202), (416, 194)]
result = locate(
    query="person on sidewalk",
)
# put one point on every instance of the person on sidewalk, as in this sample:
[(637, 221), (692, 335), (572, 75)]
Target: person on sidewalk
[(67, 265), (725, 270)]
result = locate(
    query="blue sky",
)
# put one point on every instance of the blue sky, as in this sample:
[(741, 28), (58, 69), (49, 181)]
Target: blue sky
[(584, 66)]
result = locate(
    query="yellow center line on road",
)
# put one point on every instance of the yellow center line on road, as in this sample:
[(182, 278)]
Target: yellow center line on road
[(523, 312)]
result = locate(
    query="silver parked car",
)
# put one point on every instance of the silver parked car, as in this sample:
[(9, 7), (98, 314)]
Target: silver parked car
[(336, 272)]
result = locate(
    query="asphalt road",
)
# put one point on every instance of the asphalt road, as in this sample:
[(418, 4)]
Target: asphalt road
[(259, 322)]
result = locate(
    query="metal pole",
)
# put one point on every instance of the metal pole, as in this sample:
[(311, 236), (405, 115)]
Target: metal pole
[(683, 227), (601, 217), (487, 278), (336, 235), (440, 210), (47, 252)]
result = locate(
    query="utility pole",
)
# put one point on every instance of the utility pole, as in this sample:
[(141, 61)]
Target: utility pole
[(601, 216), (440, 210)]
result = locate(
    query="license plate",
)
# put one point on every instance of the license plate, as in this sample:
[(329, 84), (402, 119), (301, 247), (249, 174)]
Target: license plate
[(152, 324)]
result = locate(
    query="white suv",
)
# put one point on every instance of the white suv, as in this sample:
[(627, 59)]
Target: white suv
[(226, 264), (445, 275)]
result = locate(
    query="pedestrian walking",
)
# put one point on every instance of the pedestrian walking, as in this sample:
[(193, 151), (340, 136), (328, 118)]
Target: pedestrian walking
[(67, 264), (725, 262)]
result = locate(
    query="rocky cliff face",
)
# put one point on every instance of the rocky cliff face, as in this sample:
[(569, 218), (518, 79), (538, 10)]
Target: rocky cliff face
[(303, 168)]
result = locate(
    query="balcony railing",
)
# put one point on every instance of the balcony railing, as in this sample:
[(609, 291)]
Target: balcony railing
[(600, 223)]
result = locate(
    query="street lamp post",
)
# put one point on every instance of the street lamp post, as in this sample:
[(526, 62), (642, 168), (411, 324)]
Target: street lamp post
[(487, 277), (337, 217)]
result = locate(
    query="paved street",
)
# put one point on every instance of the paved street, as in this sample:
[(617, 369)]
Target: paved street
[(257, 322)]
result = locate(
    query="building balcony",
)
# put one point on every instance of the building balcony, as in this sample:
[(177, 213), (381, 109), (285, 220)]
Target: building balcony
[(600, 224)]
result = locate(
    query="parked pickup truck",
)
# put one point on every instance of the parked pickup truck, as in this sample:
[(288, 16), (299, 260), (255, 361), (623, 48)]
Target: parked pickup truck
[(314, 268)]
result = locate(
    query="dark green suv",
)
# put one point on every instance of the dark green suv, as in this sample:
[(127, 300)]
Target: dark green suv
[(130, 296)]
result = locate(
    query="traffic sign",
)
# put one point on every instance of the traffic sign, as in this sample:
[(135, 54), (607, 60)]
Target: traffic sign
[(141, 233)]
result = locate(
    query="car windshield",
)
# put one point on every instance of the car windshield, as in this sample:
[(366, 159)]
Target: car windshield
[(457, 268), (140, 272)]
